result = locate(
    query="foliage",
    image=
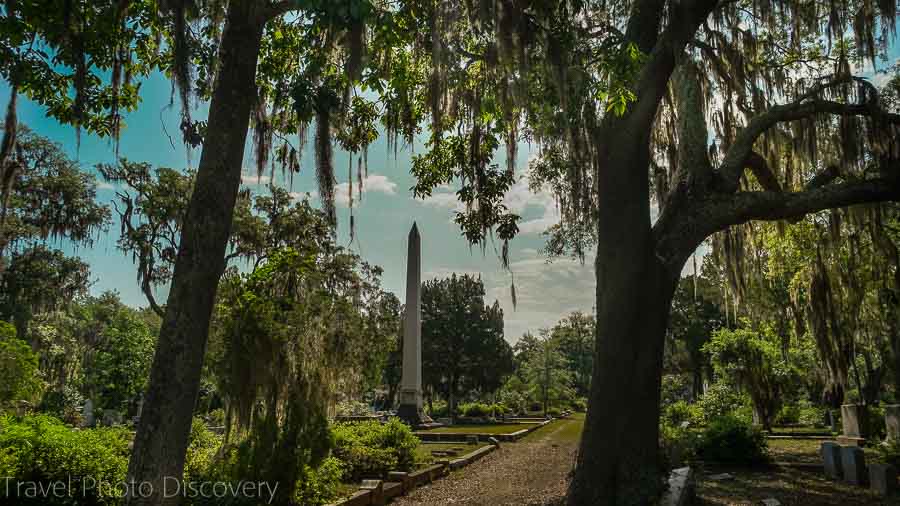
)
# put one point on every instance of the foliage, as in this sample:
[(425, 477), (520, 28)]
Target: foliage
[(728, 439), (46, 196), (315, 314), (575, 337), (579, 405), (544, 369), (371, 449), (352, 408), (478, 409), (889, 453), (39, 280), (720, 400), (754, 361), (463, 348), (19, 379), (681, 413), (320, 485), (201, 451), (40, 448)]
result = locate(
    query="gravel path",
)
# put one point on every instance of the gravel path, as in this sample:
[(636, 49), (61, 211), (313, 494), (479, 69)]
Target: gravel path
[(531, 472)]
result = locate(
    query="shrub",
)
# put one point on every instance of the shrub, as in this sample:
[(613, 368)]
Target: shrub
[(40, 448), (352, 408), (216, 418), (477, 409), (499, 409), (579, 405), (889, 453), (371, 449), (319, 486), (18, 367), (679, 412), (721, 400), (202, 447), (732, 440), (678, 445), (554, 412), (439, 409), (789, 414), (65, 405), (812, 416)]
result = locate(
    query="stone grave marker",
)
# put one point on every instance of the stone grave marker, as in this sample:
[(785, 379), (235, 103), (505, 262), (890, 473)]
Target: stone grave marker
[(892, 421), (853, 462), (87, 414), (853, 420), (831, 459), (883, 479)]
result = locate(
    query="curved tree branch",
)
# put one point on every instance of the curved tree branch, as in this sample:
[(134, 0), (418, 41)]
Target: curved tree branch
[(678, 237), (739, 154)]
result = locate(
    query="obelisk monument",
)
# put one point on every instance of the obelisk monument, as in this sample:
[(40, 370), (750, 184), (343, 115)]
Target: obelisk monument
[(410, 410)]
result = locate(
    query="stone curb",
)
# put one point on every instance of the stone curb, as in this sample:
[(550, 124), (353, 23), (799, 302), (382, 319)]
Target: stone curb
[(402, 483), (462, 436)]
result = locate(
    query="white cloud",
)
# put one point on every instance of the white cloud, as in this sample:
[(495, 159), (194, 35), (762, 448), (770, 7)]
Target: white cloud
[(311, 195), (103, 185), (252, 179), (545, 292), (376, 183)]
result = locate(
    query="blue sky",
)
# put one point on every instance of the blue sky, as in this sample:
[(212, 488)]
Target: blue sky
[(545, 292)]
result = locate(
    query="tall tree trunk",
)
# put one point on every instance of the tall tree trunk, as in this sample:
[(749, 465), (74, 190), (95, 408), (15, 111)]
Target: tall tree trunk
[(618, 461), (162, 435)]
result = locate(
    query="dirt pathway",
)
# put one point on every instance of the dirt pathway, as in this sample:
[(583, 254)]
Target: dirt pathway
[(531, 472)]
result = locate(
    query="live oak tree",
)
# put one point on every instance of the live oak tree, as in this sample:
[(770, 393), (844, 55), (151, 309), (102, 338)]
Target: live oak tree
[(620, 96), (463, 348)]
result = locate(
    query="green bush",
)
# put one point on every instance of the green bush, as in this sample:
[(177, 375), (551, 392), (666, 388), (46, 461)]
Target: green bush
[(811, 416), (202, 447), (720, 400), (788, 415), (320, 486), (65, 405), (19, 377), (554, 412), (579, 405), (732, 440), (40, 448), (371, 449), (439, 409), (477, 409), (679, 412), (889, 453)]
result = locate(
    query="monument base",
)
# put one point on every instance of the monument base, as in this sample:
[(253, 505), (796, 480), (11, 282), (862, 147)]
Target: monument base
[(413, 416)]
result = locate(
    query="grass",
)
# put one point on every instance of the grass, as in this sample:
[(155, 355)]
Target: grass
[(482, 429), (785, 431), (798, 451), (569, 429), (788, 486)]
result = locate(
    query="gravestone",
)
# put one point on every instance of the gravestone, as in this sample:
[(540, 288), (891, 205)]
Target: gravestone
[(140, 409), (87, 414), (853, 420), (831, 459), (410, 410), (892, 422), (111, 418), (883, 479), (853, 462)]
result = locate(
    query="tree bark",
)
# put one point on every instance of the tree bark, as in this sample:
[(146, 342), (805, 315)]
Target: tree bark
[(618, 461), (162, 434)]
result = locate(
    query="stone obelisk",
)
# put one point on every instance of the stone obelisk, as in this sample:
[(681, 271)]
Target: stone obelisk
[(410, 410)]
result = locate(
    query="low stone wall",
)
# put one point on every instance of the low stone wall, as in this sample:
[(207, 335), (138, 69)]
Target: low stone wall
[(461, 437), (378, 493)]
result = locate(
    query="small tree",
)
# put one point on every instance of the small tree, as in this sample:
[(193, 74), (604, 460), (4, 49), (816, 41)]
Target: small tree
[(545, 369), (18, 366), (753, 360)]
